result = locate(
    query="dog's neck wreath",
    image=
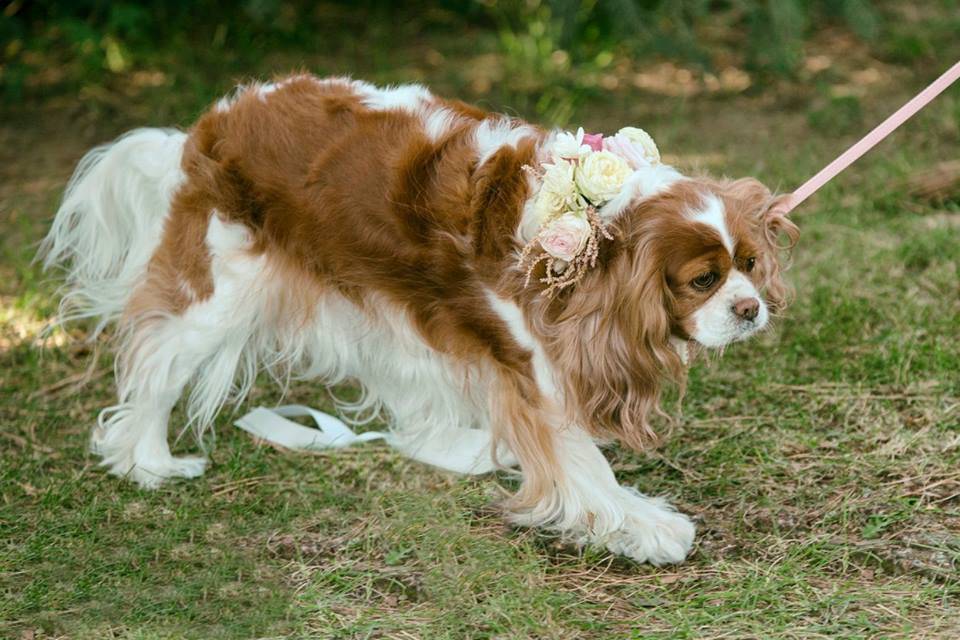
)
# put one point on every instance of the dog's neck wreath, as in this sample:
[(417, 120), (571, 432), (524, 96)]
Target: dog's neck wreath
[(581, 176)]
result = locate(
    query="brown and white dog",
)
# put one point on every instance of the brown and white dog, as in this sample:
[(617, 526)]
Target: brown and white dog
[(332, 229)]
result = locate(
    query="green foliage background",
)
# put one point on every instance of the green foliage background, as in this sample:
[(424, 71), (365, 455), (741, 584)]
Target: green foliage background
[(552, 51)]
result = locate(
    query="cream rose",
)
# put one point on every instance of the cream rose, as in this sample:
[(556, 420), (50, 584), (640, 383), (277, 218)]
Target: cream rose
[(558, 177), (565, 237), (600, 176), (642, 139), (558, 191)]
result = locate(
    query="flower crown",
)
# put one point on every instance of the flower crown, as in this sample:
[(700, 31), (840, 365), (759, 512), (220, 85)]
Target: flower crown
[(583, 172)]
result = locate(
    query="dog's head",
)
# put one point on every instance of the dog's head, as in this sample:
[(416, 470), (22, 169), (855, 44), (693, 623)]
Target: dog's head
[(699, 261), (712, 254)]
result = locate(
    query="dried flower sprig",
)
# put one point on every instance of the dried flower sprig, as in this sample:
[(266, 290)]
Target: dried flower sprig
[(559, 273)]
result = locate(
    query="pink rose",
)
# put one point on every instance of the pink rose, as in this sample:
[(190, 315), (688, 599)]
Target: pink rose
[(631, 152), (594, 141), (565, 237)]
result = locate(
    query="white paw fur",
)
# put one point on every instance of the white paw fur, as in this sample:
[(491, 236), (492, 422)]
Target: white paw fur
[(153, 473), (652, 531)]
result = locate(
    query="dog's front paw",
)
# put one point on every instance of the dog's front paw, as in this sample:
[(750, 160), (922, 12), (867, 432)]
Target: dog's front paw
[(652, 532)]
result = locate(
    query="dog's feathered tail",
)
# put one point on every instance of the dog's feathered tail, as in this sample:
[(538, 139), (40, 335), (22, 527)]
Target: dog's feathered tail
[(111, 220)]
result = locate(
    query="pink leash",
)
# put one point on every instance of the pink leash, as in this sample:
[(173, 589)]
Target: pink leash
[(870, 140)]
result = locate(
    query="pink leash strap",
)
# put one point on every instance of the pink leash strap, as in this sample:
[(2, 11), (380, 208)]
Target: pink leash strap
[(870, 140)]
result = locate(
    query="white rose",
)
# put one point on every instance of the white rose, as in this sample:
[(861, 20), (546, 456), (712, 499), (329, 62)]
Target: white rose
[(601, 175), (642, 139), (569, 145), (558, 191), (565, 237)]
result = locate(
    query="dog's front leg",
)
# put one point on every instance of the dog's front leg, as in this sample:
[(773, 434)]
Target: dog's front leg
[(618, 517), (569, 487)]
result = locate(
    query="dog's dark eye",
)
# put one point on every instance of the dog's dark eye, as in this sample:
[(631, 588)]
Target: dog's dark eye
[(704, 281), (751, 263)]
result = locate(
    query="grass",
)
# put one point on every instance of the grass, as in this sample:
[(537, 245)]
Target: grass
[(821, 462)]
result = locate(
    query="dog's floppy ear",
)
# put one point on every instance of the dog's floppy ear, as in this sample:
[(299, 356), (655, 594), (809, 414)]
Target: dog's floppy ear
[(775, 226), (612, 338), (775, 233)]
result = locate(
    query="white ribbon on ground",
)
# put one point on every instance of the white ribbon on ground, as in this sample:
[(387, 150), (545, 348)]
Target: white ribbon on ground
[(459, 450)]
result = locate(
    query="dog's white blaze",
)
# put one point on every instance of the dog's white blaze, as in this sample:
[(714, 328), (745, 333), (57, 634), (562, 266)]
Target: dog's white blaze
[(717, 324), (713, 215)]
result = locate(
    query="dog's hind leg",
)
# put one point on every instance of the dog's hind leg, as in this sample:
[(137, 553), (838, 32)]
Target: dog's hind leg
[(172, 335), (161, 354)]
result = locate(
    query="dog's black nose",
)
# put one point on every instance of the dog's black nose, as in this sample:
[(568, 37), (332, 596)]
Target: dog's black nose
[(746, 308)]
